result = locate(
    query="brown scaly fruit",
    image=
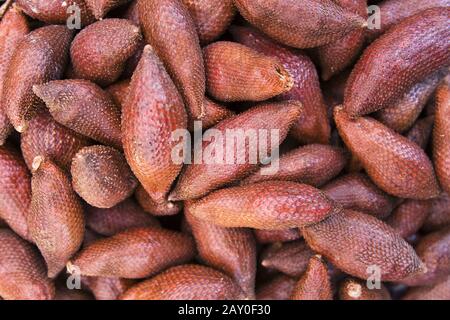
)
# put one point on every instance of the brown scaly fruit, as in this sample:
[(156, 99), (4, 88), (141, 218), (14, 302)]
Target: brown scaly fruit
[(118, 40), (83, 107), (304, 24), (22, 270), (420, 133), (186, 282), (355, 289), (40, 57), (235, 72), (354, 241), (104, 288), (56, 218), (315, 283), (164, 208), (439, 213), (170, 30), (216, 170), (134, 253), (101, 7), (278, 288), (153, 111), (119, 91), (270, 236), (409, 217), (403, 56), (394, 163), (269, 205), (439, 291), (214, 113), (101, 176)]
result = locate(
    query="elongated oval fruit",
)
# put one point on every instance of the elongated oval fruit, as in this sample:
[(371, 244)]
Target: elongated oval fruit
[(101, 7), (270, 236), (170, 30), (394, 163), (104, 288), (315, 283), (133, 254), (220, 163), (231, 250), (278, 288), (405, 55), (101, 176), (439, 291), (355, 289), (56, 218), (213, 114), (83, 107), (313, 126), (420, 133), (313, 164), (13, 27), (22, 270), (186, 282), (353, 242), (164, 208), (40, 57), (439, 213), (118, 38), (266, 205), (235, 72), (409, 217), (15, 191), (153, 111), (296, 24)]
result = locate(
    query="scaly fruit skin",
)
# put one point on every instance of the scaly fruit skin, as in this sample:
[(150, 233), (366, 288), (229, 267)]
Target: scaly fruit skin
[(313, 126), (118, 38), (441, 136), (217, 170), (356, 191), (214, 113), (22, 270), (315, 283), (83, 107), (440, 213), (355, 289), (270, 236), (235, 72), (211, 17), (153, 111), (40, 57), (134, 253), (278, 288), (101, 176), (45, 137), (304, 24), (56, 218), (405, 55), (409, 217), (170, 30), (354, 241), (439, 291), (165, 208), (118, 92), (269, 205), (107, 288), (420, 133), (186, 282), (13, 27), (230, 250), (394, 163), (313, 164), (101, 7)]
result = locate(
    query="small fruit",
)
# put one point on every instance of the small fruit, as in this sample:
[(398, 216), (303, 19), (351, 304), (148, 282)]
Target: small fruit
[(409, 217)]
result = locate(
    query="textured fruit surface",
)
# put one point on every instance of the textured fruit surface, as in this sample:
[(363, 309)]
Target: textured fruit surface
[(186, 282), (270, 236), (394, 163), (118, 92), (355, 289), (104, 288), (135, 253), (101, 7), (406, 54), (420, 133), (409, 217), (439, 291), (278, 288), (164, 208), (214, 113), (439, 213)]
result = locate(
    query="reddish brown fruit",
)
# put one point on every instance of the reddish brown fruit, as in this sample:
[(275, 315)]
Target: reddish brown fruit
[(165, 208), (83, 107), (169, 28), (22, 270), (394, 163), (270, 236), (278, 288), (269, 205), (153, 111), (235, 72), (101, 176), (40, 57), (354, 241), (119, 91), (439, 213), (439, 291), (107, 288), (355, 289), (420, 133), (405, 55), (409, 217), (101, 7), (132, 12), (118, 38), (214, 113), (315, 283), (135, 253), (186, 282)]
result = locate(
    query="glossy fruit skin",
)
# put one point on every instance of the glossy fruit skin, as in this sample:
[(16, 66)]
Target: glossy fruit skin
[(440, 213), (421, 132), (185, 282), (270, 236), (83, 107), (104, 288), (40, 57), (235, 72), (409, 217), (355, 289), (269, 205), (22, 270), (403, 56), (118, 38), (149, 251), (165, 208), (101, 7), (198, 179), (153, 111), (296, 23), (278, 288), (394, 163), (170, 30), (439, 291)]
